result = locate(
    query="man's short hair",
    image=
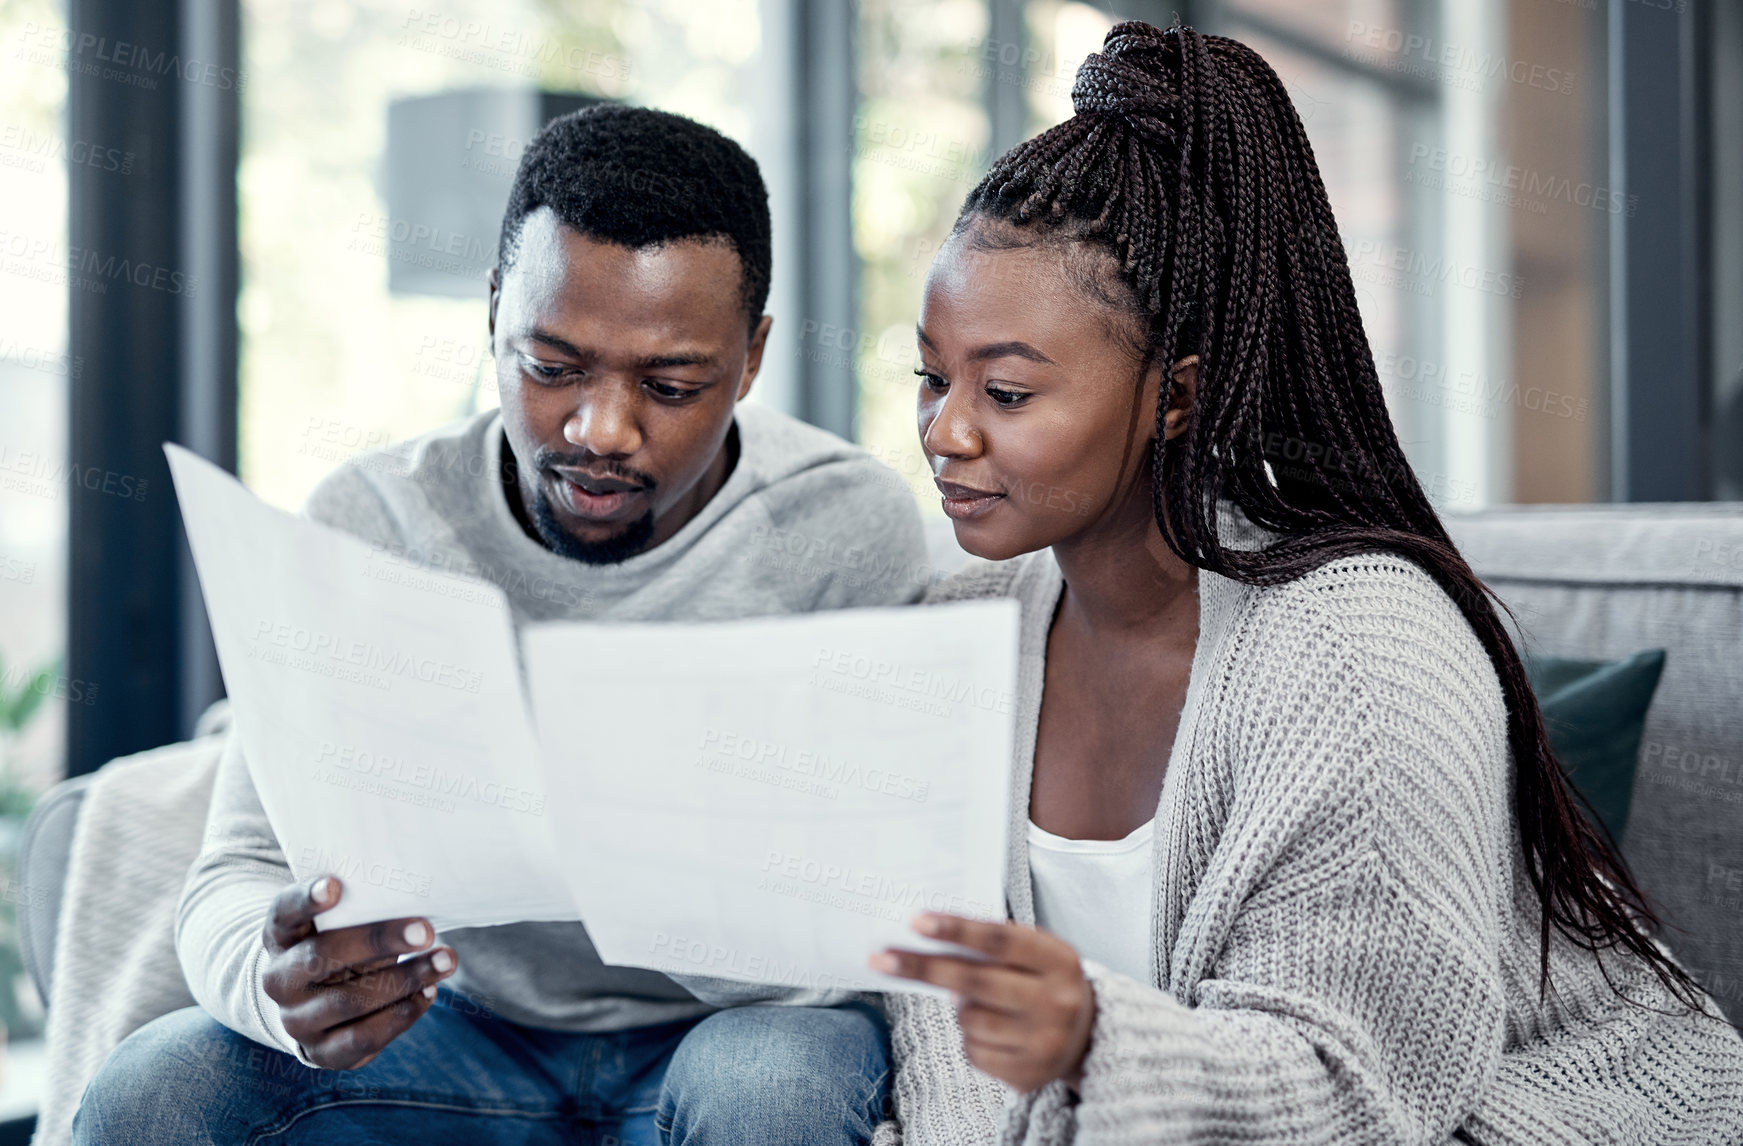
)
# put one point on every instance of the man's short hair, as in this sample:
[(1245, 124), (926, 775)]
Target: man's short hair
[(640, 177)]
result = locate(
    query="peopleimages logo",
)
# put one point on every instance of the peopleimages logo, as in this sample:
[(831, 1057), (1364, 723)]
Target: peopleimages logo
[(421, 244), (136, 64), (17, 569), (685, 955), (417, 569), (427, 779), (299, 647), (47, 260), (34, 150), (925, 690), (1428, 269), (1509, 183), (357, 870), (56, 362), (909, 895), (56, 687), (813, 771), (31, 471), (529, 55), (1446, 59), (827, 558)]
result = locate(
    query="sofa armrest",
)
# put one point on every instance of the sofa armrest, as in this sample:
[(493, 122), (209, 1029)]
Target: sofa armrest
[(43, 853)]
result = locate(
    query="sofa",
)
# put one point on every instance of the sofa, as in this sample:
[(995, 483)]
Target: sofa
[(1603, 582), (1596, 582)]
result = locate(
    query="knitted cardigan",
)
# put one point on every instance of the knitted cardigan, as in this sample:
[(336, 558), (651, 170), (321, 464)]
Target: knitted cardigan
[(1345, 944)]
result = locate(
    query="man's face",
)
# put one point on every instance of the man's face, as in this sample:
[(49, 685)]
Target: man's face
[(619, 369)]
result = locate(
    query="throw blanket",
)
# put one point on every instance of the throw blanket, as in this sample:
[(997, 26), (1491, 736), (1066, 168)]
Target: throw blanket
[(115, 963)]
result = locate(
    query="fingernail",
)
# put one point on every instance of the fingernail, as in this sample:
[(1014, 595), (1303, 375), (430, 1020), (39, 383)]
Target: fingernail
[(323, 890), (416, 934), (442, 962), (429, 992), (926, 925), (885, 962)]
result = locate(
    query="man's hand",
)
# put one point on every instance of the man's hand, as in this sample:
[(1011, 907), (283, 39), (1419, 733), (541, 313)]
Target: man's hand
[(343, 994), (1026, 1010)]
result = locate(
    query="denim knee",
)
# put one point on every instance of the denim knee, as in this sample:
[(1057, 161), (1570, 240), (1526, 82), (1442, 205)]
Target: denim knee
[(173, 1081), (778, 1074)]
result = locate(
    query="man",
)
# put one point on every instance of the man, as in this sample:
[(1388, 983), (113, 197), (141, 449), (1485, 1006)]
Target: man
[(621, 479)]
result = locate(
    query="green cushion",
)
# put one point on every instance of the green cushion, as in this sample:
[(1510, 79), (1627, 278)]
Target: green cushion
[(1595, 713)]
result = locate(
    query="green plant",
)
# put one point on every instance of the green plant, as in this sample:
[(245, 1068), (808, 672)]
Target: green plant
[(18, 706)]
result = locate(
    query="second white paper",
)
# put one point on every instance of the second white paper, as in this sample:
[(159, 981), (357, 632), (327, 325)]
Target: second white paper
[(774, 800)]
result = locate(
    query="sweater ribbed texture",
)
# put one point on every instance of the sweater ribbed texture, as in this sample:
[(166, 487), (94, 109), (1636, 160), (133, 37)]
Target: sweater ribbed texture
[(1345, 944)]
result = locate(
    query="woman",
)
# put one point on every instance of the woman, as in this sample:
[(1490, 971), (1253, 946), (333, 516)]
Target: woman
[(1304, 865)]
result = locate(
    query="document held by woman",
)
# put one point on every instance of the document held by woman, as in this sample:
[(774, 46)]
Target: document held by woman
[(765, 800)]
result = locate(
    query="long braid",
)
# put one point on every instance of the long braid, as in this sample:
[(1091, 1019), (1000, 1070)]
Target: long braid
[(1187, 161)]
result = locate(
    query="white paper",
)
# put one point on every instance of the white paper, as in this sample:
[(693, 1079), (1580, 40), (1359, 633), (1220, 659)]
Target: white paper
[(769, 800), (774, 800), (381, 714)]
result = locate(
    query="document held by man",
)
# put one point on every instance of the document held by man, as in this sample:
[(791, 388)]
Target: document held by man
[(766, 800), (384, 728)]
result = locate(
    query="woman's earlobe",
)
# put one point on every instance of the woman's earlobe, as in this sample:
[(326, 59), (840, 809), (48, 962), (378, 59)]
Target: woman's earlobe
[(1182, 395), (1183, 379)]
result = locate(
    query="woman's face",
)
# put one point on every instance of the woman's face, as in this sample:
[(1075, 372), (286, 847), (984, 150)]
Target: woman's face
[(1035, 412)]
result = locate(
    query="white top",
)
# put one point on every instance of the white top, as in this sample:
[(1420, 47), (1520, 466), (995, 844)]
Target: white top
[(1095, 895)]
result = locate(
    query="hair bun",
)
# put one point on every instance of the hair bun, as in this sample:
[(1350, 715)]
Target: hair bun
[(1131, 78)]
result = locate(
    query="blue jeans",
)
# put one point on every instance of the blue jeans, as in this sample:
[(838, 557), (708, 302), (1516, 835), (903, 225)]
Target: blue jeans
[(463, 1077)]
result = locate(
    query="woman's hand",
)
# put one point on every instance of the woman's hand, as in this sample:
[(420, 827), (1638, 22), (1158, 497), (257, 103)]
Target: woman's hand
[(1025, 1011)]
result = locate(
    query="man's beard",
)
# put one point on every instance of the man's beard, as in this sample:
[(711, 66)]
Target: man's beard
[(624, 544), (620, 546)]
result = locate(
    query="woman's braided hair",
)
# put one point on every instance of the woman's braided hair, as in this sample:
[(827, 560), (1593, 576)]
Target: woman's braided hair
[(1187, 161)]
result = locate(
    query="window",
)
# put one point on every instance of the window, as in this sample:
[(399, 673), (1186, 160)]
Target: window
[(35, 368), (1462, 148), (920, 145)]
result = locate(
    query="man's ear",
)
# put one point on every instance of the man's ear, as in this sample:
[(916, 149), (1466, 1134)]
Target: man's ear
[(495, 281), (753, 361), (1182, 393)]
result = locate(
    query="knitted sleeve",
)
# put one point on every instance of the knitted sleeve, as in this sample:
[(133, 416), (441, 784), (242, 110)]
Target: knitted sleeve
[(1336, 978), (939, 1098)]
